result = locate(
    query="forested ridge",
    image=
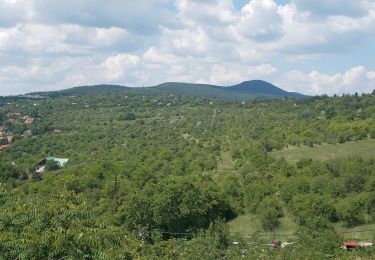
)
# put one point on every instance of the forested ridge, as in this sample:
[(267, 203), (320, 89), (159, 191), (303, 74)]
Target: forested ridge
[(161, 176), (243, 91)]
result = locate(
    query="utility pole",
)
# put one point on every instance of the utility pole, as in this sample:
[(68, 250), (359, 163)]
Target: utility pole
[(116, 186), (266, 150)]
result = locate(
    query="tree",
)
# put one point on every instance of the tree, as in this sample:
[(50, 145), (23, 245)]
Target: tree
[(52, 165), (269, 213), (129, 117), (176, 204)]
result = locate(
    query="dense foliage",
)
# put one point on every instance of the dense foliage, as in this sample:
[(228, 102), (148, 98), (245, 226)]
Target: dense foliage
[(159, 177)]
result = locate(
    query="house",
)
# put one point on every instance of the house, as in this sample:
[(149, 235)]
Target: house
[(3, 147), (350, 245), (12, 120), (29, 121), (278, 243), (353, 244), (2, 128), (10, 138), (4, 143), (14, 114), (41, 166), (28, 133)]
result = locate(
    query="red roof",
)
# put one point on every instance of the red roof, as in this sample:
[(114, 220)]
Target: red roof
[(351, 244), (3, 147), (29, 120)]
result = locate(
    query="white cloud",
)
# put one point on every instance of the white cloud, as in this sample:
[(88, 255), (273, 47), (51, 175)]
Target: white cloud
[(357, 79), (333, 7), (67, 38), (141, 16), (185, 42), (55, 44), (116, 67), (223, 75), (260, 21), (214, 12)]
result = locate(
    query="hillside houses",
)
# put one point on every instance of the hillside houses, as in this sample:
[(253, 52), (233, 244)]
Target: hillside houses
[(5, 141), (6, 127), (13, 114), (2, 129), (29, 120)]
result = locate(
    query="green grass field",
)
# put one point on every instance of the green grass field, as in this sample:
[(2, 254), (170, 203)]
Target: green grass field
[(249, 225), (363, 232), (365, 148)]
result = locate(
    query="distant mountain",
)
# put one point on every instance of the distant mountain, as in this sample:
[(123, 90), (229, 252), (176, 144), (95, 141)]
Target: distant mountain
[(85, 90), (245, 90), (262, 88)]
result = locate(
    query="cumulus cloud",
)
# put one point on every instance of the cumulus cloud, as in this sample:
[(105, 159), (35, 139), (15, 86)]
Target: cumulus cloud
[(260, 21), (141, 16), (357, 79), (56, 44), (227, 75), (67, 38), (333, 7), (214, 12), (116, 67)]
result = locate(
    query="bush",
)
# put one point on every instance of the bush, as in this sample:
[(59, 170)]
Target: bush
[(176, 204), (52, 165), (129, 117)]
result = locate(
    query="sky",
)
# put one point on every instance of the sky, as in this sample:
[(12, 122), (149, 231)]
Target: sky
[(312, 47)]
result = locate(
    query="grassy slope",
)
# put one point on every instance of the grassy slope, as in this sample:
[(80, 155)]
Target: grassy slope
[(248, 225), (363, 148), (362, 232)]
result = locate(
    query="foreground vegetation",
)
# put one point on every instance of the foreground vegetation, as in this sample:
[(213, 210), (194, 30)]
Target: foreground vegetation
[(179, 177)]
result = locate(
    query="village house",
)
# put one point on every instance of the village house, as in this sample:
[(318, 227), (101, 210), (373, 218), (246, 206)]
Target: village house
[(10, 138), (27, 133), (12, 120), (4, 143), (29, 121), (14, 114), (41, 166)]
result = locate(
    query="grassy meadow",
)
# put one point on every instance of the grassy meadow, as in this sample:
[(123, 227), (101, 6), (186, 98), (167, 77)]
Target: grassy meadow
[(364, 148)]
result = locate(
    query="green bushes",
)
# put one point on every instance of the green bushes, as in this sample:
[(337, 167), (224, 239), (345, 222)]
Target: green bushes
[(176, 204)]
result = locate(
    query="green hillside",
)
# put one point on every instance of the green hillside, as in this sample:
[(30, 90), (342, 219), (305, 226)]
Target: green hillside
[(244, 91), (185, 177)]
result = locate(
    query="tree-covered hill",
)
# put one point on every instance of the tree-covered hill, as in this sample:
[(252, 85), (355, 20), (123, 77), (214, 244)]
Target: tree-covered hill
[(245, 90), (175, 177), (262, 89)]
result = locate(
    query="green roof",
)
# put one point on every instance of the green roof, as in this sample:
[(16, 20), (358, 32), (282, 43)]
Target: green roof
[(60, 161)]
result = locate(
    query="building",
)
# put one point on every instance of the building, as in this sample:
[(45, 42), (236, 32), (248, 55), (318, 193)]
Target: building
[(12, 120), (14, 114), (29, 121), (4, 143), (41, 166)]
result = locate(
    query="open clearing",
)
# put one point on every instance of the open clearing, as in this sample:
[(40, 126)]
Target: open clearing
[(365, 148)]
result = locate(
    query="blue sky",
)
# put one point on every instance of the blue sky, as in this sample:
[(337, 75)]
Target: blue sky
[(313, 47)]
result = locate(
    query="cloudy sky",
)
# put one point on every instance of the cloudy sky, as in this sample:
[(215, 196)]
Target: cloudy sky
[(313, 47)]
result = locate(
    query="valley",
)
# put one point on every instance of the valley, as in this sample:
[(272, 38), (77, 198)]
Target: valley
[(211, 177)]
